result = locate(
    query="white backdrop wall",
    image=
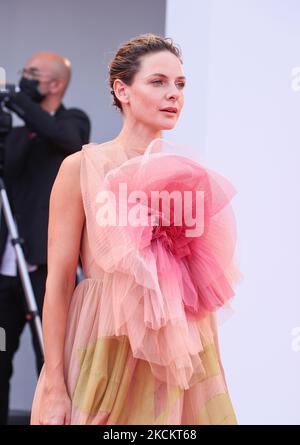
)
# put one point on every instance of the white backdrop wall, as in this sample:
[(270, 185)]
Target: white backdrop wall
[(242, 115)]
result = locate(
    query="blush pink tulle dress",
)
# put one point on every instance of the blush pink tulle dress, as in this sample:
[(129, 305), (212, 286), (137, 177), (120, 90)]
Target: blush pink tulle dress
[(140, 346)]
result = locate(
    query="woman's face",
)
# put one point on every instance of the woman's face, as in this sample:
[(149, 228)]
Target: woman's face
[(155, 98)]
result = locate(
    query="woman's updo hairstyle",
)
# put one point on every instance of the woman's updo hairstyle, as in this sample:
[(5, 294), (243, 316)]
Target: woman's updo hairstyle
[(126, 62)]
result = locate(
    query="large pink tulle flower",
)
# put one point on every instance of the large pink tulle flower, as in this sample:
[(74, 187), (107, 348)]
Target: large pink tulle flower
[(201, 261)]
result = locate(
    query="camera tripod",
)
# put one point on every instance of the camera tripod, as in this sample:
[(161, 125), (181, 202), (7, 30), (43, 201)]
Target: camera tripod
[(32, 314)]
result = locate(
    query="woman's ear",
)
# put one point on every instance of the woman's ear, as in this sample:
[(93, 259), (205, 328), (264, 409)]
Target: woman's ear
[(121, 91)]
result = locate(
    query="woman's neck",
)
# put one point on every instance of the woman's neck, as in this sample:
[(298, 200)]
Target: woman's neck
[(136, 140)]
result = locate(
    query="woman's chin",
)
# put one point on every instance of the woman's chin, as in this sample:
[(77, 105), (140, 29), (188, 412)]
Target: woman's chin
[(160, 126), (168, 125)]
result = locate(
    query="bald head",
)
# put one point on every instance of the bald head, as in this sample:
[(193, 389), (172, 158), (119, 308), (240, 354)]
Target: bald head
[(50, 66)]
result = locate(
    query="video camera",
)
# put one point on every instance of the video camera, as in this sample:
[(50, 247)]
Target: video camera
[(6, 94)]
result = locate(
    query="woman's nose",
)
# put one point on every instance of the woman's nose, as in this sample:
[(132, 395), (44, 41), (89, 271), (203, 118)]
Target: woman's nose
[(173, 93)]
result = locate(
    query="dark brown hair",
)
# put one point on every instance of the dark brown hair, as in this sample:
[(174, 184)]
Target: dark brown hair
[(126, 62)]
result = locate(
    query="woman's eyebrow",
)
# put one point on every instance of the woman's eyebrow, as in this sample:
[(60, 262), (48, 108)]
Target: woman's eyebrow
[(163, 75)]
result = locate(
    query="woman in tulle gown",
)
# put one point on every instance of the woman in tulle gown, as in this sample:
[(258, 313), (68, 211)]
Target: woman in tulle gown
[(136, 341)]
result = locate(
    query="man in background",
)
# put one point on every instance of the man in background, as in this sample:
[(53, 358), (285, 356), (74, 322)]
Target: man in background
[(32, 156)]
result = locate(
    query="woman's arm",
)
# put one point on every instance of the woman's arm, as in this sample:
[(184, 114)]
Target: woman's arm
[(66, 219)]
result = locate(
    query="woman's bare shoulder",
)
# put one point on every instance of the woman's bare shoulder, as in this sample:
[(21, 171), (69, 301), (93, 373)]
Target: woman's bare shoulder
[(73, 160), (68, 176), (71, 165)]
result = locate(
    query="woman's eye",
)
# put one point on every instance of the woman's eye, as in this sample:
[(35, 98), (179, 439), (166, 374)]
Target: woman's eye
[(179, 85)]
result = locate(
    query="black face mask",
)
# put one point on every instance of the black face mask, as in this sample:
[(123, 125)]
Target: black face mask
[(30, 87)]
